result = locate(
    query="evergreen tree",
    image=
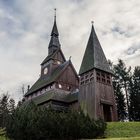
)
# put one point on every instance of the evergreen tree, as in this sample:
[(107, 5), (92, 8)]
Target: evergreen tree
[(11, 105), (122, 76), (119, 96), (135, 95), (30, 122), (120, 101), (4, 111)]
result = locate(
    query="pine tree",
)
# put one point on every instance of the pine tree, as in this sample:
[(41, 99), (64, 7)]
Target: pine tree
[(120, 101), (135, 95), (119, 96), (11, 105), (4, 109), (122, 74)]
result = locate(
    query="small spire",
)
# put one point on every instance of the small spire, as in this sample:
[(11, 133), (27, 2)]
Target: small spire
[(54, 14), (54, 30)]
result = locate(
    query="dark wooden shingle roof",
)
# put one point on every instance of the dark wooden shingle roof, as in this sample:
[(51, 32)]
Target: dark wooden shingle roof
[(94, 56), (54, 37), (44, 81), (51, 95)]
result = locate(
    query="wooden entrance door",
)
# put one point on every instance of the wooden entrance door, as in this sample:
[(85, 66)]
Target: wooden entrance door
[(107, 112)]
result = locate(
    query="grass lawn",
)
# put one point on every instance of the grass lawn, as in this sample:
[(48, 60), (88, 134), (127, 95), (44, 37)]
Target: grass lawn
[(131, 138), (3, 138), (123, 129)]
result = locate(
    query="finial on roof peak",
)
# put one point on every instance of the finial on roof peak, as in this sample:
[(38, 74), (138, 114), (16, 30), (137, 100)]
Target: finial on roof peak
[(92, 22), (55, 14)]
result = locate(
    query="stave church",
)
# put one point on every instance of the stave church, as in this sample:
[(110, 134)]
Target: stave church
[(61, 88)]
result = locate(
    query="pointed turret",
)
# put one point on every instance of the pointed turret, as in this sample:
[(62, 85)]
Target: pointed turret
[(94, 56), (54, 30), (54, 50), (54, 42)]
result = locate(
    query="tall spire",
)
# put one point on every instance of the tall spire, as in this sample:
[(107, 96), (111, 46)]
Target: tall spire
[(54, 14), (54, 30), (94, 56), (54, 42)]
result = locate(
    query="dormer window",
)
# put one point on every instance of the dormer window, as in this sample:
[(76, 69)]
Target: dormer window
[(45, 70)]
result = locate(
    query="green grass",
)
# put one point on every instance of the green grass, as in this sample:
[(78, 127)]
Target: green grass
[(2, 138), (132, 138), (123, 129)]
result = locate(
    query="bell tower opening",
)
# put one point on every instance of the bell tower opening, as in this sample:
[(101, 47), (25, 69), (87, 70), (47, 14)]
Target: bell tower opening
[(107, 113)]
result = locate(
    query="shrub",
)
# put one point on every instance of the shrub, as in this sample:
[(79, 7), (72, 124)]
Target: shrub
[(38, 123), (2, 132)]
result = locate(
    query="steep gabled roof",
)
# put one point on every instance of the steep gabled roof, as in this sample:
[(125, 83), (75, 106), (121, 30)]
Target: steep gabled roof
[(44, 81), (51, 56), (54, 30), (94, 56), (54, 37)]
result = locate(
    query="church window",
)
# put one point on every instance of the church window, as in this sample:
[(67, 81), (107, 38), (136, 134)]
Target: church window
[(59, 85), (82, 78), (98, 73), (108, 77), (91, 74), (103, 75), (92, 78), (68, 87), (82, 82), (86, 81), (98, 76), (86, 76), (103, 80), (58, 62), (108, 81)]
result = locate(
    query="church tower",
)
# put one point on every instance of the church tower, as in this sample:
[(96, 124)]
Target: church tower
[(55, 55), (96, 95), (58, 83)]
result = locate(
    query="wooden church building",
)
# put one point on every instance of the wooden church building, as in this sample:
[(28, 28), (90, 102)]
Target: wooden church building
[(60, 87)]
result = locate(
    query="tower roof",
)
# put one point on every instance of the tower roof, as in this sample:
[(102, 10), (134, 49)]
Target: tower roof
[(94, 56), (54, 29), (54, 42)]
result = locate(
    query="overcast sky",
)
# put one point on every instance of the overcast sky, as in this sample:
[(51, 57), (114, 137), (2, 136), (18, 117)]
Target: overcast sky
[(25, 27)]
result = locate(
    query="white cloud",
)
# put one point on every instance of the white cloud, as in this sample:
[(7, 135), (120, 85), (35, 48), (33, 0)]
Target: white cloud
[(24, 34)]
